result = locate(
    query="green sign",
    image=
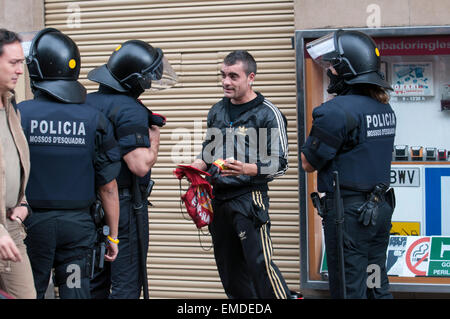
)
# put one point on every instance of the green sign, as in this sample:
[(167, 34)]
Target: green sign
[(412, 256), (324, 265), (439, 265)]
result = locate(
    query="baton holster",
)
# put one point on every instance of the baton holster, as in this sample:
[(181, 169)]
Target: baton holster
[(102, 233), (148, 190), (318, 203), (339, 207), (138, 204), (390, 197)]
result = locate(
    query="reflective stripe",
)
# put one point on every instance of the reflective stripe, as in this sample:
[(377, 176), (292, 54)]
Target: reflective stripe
[(283, 136), (258, 200), (281, 126), (269, 242), (271, 273)]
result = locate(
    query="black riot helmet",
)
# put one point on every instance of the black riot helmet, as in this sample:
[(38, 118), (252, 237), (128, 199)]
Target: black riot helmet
[(353, 54), (54, 66), (132, 68)]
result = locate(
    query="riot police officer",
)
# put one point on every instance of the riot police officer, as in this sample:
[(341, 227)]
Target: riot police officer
[(132, 68), (72, 151), (353, 134)]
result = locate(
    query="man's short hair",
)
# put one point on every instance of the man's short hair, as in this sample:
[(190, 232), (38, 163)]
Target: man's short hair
[(246, 58), (8, 37)]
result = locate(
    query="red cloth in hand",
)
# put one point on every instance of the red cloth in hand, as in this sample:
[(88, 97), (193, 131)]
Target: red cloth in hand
[(198, 197)]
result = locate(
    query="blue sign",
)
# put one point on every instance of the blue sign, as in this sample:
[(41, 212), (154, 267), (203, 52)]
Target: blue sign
[(437, 201)]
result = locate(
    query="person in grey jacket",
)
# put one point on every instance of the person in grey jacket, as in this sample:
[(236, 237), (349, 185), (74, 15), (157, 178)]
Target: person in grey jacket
[(16, 277)]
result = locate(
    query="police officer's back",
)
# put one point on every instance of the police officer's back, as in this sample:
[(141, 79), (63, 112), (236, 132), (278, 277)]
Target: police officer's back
[(353, 134), (133, 67), (73, 153)]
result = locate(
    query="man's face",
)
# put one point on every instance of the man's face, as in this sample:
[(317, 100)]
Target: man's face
[(236, 84), (11, 66)]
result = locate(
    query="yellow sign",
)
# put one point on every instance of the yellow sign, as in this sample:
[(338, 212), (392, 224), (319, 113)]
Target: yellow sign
[(405, 228)]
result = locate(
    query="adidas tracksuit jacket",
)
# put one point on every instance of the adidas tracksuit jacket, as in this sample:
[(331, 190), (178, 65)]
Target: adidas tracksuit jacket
[(254, 132)]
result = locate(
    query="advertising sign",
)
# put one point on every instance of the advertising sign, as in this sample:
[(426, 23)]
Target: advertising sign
[(412, 79), (418, 256), (430, 45)]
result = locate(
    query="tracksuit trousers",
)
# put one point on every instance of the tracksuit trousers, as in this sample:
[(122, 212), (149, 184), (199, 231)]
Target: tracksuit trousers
[(243, 248)]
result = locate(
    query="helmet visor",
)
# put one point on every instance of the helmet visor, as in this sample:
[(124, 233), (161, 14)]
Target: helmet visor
[(158, 76), (323, 50), (163, 76)]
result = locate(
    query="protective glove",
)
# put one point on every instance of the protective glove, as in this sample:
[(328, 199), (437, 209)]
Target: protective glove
[(368, 213), (369, 210)]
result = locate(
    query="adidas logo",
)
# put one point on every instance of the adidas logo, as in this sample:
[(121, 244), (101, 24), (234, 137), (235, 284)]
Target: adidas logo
[(242, 130)]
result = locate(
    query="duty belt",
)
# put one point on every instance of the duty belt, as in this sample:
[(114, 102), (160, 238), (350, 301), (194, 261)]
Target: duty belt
[(125, 192), (347, 200)]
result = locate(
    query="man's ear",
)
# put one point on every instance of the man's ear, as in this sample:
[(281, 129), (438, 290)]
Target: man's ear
[(251, 78)]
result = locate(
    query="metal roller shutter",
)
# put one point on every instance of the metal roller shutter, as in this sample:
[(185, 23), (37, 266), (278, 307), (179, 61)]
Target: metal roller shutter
[(196, 36)]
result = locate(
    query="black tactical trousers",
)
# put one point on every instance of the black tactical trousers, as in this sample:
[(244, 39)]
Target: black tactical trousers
[(122, 279), (243, 248), (364, 252), (63, 240)]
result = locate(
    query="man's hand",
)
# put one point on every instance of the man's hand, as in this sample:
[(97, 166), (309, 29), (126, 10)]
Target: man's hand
[(305, 164), (109, 196), (20, 212), (199, 164), (111, 252), (8, 249), (235, 168)]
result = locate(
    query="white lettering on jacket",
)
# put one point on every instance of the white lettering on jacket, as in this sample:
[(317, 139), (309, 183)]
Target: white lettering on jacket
[(380, 124), (57, 127), (380, 120)]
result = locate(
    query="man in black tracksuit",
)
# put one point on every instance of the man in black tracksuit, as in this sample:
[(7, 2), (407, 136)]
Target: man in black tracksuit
[(250, 133)]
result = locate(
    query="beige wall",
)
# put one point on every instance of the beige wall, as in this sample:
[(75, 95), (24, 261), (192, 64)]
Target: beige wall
[(22, 16), (324, 14)]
